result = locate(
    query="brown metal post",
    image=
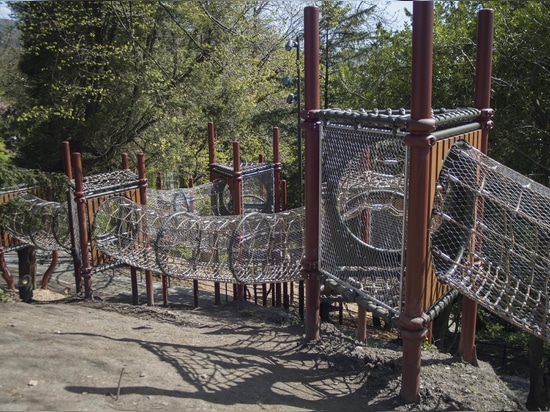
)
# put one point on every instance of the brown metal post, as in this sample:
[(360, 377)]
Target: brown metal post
[(361, 324), (276, 171), (238, 198), (143, 200), (311, 126), (195, 281), (413, 321), (125, 162), (68, 169), (163, 277), (484, 58), (80, 199), (211, 163)]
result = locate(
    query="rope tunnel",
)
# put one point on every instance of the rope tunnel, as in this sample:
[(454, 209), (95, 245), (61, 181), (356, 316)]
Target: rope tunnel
[(37, 222), (247, 249)]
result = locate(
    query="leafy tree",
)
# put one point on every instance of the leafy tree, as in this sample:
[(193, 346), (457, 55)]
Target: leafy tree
[(115, 77)]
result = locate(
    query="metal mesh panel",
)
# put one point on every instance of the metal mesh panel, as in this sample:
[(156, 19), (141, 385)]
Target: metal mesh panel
[(35, 221), (491, 238), (363, 176)]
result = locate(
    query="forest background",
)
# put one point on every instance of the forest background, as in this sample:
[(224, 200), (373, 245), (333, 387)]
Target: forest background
[(115, 77)]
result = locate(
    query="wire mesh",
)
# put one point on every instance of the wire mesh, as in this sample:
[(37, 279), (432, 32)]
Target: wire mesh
[(363, 174), (490, 234), (37, 222)]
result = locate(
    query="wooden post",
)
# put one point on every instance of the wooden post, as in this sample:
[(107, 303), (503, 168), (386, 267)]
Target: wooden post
[(238, 200), (484, 58), (311, 126), (143, 200), (211, 163), (413, 321)]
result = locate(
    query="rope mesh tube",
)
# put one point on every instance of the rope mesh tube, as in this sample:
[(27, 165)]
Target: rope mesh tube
[(37, 222), (253, 248), (490, 233)]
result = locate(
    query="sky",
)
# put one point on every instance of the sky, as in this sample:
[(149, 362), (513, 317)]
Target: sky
[(394, 6), (4, 11), (398, 8)]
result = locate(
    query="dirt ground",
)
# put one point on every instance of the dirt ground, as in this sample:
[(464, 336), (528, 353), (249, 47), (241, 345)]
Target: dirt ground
[(83, 355)]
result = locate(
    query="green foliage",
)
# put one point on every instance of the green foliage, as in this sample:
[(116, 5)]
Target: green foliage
[(148, 77), (6, 296)]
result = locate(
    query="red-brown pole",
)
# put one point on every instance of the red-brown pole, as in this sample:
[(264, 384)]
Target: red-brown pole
[(310, 262), (164, 277), (143, 199), (191, 183), (80, 199), (125, 162), (413, 321), (276, 171), (211, 163), (484, 59), (68, 169), (4, 267), (133, 270), (238, 197)]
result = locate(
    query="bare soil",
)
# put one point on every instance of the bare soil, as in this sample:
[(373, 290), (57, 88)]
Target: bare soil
[(101, 354)]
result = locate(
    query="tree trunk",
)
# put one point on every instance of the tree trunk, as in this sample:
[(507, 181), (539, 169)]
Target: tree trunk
[(538, 399), (27, 263)]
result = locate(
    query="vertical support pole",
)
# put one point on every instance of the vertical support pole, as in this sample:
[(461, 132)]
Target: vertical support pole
[(413, 321), (211, 163), (311, 126), (133, 269), (163, 277), (195, 281), (276, 171), (362, 324), (238, 198), (482, 101), (68, 169), (125, 162), (4, 267), (143, 198), (80, 199)]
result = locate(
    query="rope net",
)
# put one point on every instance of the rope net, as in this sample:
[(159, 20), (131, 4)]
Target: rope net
[(37, 222), (490, 233), (363, 201), (201, 200), (253, 248)]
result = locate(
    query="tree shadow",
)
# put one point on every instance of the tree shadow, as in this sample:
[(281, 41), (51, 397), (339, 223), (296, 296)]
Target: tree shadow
[(247, 371)]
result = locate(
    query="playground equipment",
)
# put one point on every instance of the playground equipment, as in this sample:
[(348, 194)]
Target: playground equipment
[(367, 221), (491, 238), (245, 249), (364, 175)]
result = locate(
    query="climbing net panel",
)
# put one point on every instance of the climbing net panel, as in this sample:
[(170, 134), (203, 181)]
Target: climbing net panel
[(252, 248), (363, 199), (490, 233), (37, 222)]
